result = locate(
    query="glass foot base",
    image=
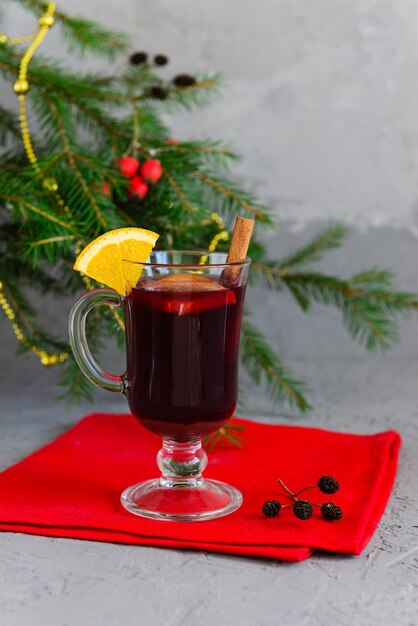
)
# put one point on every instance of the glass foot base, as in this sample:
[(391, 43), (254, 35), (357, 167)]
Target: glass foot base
[(181, 501)]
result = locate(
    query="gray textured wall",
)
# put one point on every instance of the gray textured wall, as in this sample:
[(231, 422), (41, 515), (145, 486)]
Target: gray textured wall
[(320, 98)]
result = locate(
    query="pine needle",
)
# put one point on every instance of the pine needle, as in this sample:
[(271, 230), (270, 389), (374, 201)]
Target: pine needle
[(84, 122), (263, 365)]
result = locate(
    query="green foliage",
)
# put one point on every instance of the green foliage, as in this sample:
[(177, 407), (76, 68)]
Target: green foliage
[(329, 239), (84, 123), (261, 362), (83, 35), (9, 127), (368, 301)]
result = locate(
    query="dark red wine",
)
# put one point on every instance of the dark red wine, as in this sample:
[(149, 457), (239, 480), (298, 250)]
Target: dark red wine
[(182, 336)]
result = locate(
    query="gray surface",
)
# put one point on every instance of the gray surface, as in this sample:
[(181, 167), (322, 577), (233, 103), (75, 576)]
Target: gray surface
[(66, 582)]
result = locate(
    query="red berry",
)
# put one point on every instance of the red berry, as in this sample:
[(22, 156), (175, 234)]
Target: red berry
[(137, 187), (151, 170), (105, 188), (128, 166)]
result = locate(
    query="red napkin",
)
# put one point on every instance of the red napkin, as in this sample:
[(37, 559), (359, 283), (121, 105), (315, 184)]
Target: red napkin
[(71, 488)]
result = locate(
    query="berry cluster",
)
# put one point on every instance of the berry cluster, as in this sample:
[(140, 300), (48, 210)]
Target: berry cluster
[(303, 509), (139, 58), (162, 90), (140, 175)]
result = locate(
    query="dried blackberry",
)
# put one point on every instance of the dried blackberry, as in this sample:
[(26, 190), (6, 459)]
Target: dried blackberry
[(184, 80), (331, 511), (302, 509), (137, 58), (160, 59), (159, 93), (328, 484), (271, 508)]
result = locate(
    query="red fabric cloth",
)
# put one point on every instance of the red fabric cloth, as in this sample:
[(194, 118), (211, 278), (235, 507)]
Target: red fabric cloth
[(71, 488)]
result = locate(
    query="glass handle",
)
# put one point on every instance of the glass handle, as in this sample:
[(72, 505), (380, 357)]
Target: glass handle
[(78, 339)]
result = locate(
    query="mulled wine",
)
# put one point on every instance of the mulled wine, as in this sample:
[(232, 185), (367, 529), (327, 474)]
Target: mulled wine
[(182, 338), (183, 312)]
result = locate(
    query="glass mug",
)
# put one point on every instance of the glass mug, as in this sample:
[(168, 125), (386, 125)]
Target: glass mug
[(183, 313)]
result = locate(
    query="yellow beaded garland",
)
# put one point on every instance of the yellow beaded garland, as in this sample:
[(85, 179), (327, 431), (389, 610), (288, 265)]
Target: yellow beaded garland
[(46, 20), (21, 87), (50, 184), (45, 358), (223, 234)]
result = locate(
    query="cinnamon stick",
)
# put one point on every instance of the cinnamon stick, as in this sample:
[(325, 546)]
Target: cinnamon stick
[(237, 251), (240, 240)]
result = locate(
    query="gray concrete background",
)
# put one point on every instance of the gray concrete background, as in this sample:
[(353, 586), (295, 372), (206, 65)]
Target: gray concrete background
[(321, 100), (320, 97), (62, 582)]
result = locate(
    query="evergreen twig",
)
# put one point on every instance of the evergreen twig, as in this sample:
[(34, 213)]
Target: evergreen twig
[(261, 363), (84, 123)]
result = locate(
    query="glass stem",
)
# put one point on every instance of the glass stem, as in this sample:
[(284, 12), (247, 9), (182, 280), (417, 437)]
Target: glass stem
[(181, 463)]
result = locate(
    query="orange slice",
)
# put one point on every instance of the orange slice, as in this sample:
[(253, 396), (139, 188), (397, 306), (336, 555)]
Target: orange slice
[(102, 258), (191, 293), (184, 282)]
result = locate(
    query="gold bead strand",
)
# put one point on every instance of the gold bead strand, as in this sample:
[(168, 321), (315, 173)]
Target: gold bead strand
[(21, 86), (223, 234), (14, 41), (45, 358)]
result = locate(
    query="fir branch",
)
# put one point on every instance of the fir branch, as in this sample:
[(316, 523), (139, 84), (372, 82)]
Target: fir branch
[(9, 126), (329, 239), (116, 316), (178, 191), (19, 201), (262, 363), (367, 322), (23, 274), (328, 289), (196, 95), (75, 385), (209, 154), (152, 130), (71, 156), (228, 434), (50, 240), (367, 300), (83, 35), (50, 162), (25, 316), (235, 199), (89, 125)]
